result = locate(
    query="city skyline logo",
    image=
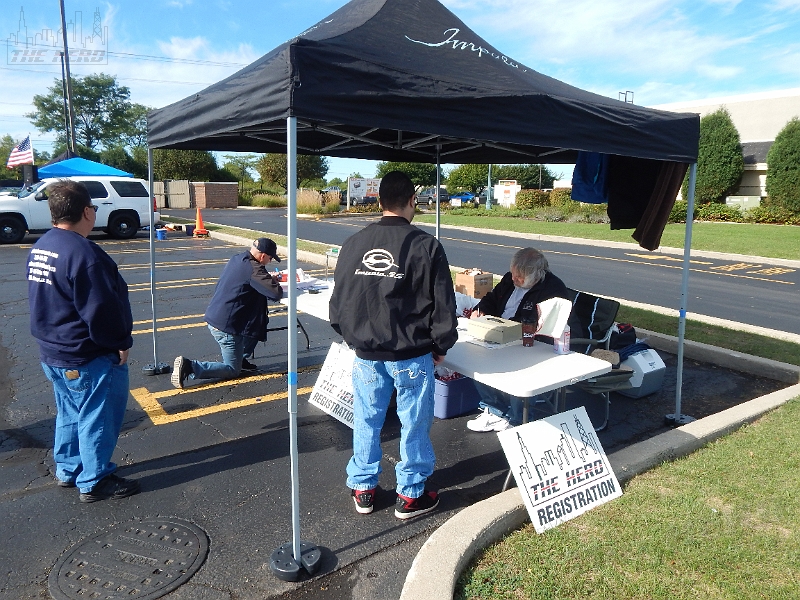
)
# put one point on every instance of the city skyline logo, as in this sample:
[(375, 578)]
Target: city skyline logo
[(44, 48)]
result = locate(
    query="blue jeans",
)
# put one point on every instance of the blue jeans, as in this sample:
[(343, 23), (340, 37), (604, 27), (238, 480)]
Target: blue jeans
[(373, 382), (233, 347), (505, 405), (91, 402)]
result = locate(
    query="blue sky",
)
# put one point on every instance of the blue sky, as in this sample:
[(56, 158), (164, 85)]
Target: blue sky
[(662, 50)]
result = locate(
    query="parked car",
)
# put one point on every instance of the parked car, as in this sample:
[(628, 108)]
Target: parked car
[(462, 198), (428, 196), (124, 206)]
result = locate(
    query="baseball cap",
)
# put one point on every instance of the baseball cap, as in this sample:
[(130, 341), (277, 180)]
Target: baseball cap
[(267, 246)]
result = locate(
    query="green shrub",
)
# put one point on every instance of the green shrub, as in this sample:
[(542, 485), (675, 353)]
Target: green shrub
[(527, 199), (771, 214), (366, 208), (720, 163), (268, 201), (562, 197), (783, 167), (245, 199), (678, 212), (718, 212)]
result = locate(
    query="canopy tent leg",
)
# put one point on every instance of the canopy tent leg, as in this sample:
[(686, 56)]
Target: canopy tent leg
[(677, 419), (287, 560), (489, 188), (157, 368), (438, 187)]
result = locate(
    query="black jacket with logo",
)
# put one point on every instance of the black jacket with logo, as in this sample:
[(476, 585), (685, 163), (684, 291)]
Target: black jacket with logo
[(393, 298)]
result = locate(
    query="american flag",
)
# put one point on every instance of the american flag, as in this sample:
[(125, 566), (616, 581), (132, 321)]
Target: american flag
[(22, 154)]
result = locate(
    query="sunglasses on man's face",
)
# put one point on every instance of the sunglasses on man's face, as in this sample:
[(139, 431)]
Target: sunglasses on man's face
[(93, 206)]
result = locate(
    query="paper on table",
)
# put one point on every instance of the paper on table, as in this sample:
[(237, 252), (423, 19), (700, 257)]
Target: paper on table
[(554, 316)]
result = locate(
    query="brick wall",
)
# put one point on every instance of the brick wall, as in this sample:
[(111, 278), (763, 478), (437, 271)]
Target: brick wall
[(215, 195)]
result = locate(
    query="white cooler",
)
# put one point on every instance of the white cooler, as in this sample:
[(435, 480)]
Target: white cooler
[(648, 373)]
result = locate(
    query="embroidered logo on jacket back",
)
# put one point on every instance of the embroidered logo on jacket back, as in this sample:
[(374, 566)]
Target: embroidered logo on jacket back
[(378, 263)]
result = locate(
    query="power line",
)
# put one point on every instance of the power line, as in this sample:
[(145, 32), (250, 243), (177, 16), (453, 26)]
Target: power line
[(117, 78), (188, 61)]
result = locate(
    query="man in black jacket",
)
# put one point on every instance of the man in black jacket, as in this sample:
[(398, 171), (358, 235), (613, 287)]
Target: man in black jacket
[(237, 315), (393, 303), (516, 297)]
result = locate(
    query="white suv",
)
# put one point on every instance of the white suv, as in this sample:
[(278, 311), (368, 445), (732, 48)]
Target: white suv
[(124, 206)]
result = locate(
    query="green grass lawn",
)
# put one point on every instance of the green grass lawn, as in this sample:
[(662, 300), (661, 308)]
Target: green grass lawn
[(722, 523), (776, 241)]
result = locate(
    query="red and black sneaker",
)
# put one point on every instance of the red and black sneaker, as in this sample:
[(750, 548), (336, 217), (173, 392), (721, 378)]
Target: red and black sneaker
[(411, 507), (364, 500)]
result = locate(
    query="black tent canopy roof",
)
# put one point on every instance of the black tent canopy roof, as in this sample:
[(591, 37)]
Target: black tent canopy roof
[(394, 79)]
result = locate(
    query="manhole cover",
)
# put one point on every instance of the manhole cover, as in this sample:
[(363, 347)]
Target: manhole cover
[(142, 559)]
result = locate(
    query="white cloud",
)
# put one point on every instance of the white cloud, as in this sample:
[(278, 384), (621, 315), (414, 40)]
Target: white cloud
[(780, 5)]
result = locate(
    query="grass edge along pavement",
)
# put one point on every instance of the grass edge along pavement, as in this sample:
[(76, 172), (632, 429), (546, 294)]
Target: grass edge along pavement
[(676, 532)]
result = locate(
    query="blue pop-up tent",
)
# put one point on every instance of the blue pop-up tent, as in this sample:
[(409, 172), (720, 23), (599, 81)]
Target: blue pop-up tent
[(80, 166)]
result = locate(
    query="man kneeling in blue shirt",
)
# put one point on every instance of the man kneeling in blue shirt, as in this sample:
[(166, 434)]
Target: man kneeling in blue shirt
[(237, 315)]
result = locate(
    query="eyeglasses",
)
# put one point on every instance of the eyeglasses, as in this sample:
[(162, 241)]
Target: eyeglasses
[(93, 206)]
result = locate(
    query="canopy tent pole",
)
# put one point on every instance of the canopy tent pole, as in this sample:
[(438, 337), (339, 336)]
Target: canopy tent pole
[(489, 189), (677, 418), (438, 184), (287, 560), (156, 368)]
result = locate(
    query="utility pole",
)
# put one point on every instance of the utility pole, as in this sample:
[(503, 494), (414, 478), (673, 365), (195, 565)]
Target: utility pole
[(66, 104), (70, 111)]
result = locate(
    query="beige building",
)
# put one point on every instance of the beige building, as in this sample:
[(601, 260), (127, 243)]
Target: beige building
[(759, 118)]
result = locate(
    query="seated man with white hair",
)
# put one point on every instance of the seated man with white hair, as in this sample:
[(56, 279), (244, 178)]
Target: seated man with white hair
[(528, 282)]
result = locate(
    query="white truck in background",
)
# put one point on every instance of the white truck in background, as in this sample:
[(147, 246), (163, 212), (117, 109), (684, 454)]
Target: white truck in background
[(124, 206)]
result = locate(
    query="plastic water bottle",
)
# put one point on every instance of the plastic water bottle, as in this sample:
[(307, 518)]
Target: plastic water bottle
[(561, 344)]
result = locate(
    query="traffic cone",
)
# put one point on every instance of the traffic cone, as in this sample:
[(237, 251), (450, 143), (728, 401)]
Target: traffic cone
[(199, 228)]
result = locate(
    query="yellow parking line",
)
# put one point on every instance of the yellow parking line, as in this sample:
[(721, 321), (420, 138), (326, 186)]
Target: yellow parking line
[(159, 416), (164, 319), (149, 401), (146, 284)]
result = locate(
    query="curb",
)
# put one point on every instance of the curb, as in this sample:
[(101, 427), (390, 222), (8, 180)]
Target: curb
[(439, 563)]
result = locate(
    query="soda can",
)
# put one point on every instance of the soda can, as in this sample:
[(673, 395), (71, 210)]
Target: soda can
[(561, 344)]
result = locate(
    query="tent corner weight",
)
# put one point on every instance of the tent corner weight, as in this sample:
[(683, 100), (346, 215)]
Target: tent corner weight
[(286, 568)]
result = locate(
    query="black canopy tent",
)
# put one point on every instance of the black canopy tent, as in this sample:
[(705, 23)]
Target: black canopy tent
[(406, 80)]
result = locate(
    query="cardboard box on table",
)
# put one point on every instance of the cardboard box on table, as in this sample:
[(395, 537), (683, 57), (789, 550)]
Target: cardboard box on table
[(474, 282), (648, 373), (494, 329), (454, 397)]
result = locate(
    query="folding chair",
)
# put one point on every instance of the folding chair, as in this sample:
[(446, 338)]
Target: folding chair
[(591, 323)]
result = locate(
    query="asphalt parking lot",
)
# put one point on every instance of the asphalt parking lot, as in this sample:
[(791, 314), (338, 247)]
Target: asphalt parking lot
[(216, 454)]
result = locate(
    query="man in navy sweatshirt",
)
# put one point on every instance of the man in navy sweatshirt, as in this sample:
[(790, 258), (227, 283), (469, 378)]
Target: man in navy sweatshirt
[(237, 315), (81, 318)]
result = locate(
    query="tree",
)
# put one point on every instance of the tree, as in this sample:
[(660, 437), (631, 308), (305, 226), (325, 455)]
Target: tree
[(422, 174), (526, 175), (104, 115), (239, 165), (119, 158), (720, 163), (473, 177), (338, 182), (272, 168), (194, 165), (783, 167)]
